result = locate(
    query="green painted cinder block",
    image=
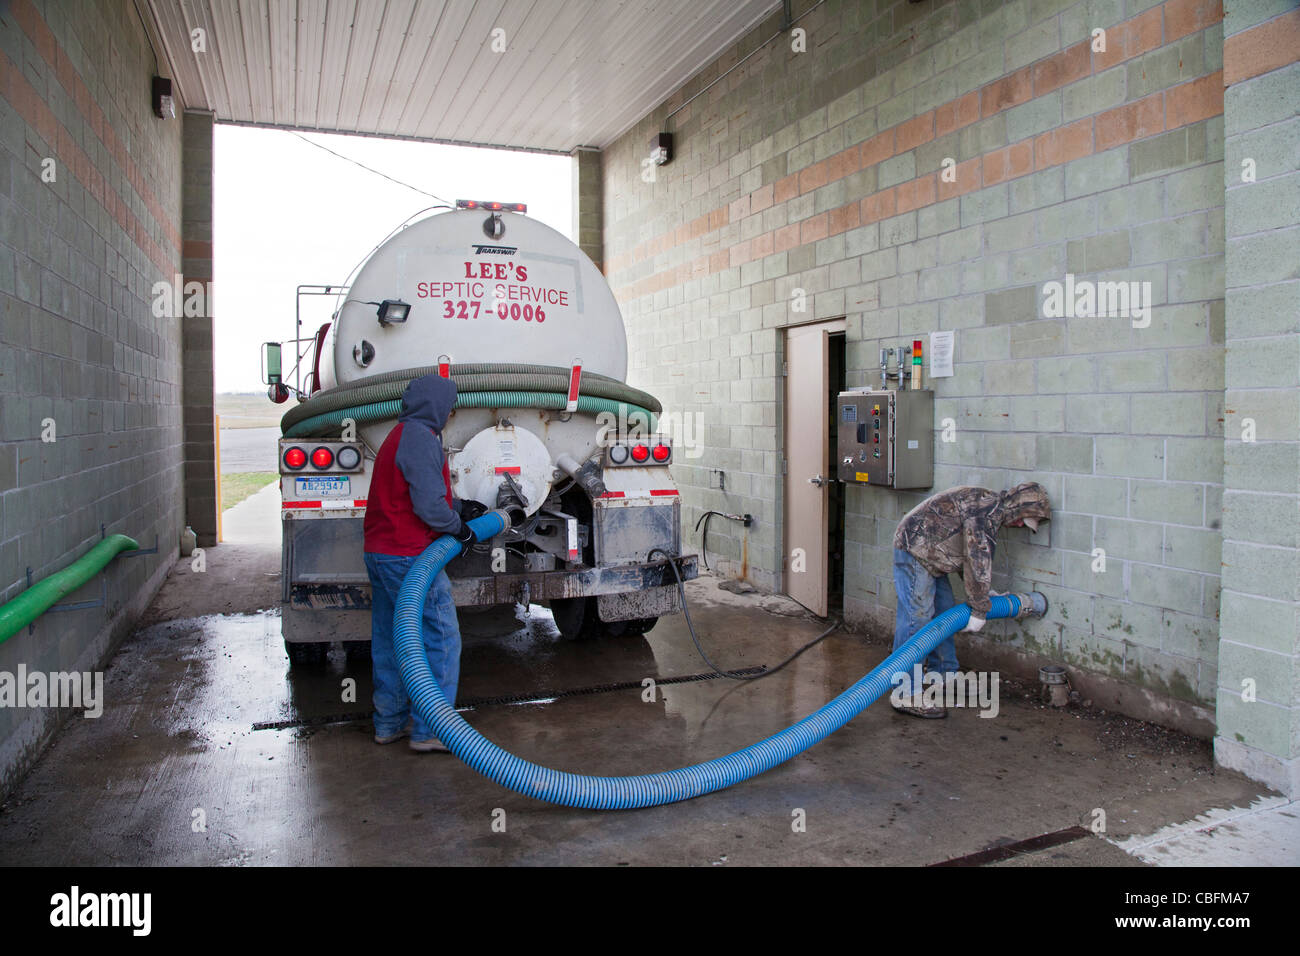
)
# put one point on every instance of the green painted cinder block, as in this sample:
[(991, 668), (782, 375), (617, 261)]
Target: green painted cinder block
[(1273, 310), (1271, 625), (1067, 374), (1197, 280), (1098, 414), (1262, 100), (1171, 413), (1131, 540), (1177, 148), (1194, 459), (1261, 206), (1260, 519), (1271, 151), (1093, 95), (1093, 652), (1167, 588), (1273, 413), (1264, 362), (1034, 339), (1183, 238), (1256, 724), (1261, 466), (1193, 189), (1164, 673), (1011, 305), (1127, 456), (1036, 116), (1166, 66), (1269, 572), (1133, 372), (1189, 635), (1139, 203), (1097, 496), (1039, 190), (1072, 453), (1096, 173), (984, 204), (1272, 673), (1098, 253), (1193, 549)]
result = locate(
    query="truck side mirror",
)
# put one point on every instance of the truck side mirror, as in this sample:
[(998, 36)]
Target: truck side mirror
[(271, 371)]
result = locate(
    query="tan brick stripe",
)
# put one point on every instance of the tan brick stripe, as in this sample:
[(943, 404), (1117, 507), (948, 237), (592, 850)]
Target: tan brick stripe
[(37, 114), (1262, 49), (1154, 114)]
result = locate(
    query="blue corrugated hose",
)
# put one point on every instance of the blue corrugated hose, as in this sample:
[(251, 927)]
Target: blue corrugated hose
[(646, 790)]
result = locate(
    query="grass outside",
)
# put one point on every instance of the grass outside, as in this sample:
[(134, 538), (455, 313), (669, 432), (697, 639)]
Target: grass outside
[(235, 488), (248, 410)]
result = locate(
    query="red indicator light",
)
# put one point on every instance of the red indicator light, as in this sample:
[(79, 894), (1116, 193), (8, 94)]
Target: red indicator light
[(295, 458), (640, 452), (322, 458), (661, 453)]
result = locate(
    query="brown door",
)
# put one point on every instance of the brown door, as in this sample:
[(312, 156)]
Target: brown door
[(808, 462)]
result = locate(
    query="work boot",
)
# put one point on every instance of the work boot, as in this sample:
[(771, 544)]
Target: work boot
[(393, 738), (430, 746), (919, 707)]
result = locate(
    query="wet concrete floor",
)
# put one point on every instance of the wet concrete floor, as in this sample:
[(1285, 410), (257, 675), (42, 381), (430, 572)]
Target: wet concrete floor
[(175, 773)]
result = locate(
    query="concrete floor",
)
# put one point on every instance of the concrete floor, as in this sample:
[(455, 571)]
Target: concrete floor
[(176, 746)]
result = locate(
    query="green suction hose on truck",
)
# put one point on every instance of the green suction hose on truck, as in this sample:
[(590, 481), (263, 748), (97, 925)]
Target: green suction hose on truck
[(545, 427)]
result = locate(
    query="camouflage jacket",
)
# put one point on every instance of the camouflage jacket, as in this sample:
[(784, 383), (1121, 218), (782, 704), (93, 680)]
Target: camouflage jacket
[(956, 530)]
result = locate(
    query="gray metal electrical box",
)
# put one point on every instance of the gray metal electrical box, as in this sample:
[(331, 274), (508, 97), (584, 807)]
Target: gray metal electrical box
[(886, 437)]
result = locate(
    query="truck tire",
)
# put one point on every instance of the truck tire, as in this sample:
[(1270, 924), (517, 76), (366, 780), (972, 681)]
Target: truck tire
[(633, 628), (305, 654), (576, 618), (358, 652)]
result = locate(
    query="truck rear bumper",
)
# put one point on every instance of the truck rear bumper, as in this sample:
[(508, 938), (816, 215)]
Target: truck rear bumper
[(341, 612)]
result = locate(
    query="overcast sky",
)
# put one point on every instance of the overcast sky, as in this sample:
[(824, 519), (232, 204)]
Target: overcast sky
[(287, 213)]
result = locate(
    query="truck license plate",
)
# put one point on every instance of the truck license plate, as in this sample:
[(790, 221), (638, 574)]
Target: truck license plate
[(323, 487)]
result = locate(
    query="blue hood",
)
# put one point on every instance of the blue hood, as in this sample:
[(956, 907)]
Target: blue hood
[(429, 401)]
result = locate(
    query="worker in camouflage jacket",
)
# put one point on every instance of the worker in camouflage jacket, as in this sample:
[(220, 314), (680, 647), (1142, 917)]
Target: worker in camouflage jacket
[(955, 530)]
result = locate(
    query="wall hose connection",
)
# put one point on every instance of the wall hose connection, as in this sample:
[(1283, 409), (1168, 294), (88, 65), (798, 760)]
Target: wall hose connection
[(479, 385), (44, 594), (653, 789)]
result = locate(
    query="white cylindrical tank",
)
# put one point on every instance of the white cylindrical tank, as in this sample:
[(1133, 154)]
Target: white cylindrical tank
[(528, 296), (514, 292)]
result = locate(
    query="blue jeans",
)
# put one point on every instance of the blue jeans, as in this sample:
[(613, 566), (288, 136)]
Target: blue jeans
[(921, 597), (441, 643)]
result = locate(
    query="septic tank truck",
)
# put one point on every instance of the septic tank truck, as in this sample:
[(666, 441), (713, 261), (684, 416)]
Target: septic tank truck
[(545, 427)]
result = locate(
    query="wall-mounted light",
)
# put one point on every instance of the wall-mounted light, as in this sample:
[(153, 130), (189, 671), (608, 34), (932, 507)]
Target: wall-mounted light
[(661, 148), (164, 107)]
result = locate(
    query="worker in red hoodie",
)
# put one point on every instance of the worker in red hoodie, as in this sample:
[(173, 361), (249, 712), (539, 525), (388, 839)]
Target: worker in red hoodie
[(410, 505)]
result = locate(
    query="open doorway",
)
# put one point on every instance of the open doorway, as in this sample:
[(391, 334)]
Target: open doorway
[(814, 510)]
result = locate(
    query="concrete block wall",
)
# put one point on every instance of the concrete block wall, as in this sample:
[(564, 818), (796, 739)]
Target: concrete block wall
[(80, 250), (931, 166), (1258, 697)]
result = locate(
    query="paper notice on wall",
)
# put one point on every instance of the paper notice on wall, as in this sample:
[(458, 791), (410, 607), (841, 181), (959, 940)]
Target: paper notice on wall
[(941, 349)]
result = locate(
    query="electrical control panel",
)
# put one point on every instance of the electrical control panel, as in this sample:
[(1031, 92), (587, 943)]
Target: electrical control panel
[(886, 437)]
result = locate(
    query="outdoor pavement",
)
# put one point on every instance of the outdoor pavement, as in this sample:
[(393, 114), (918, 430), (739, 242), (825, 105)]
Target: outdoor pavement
[(175, 773)]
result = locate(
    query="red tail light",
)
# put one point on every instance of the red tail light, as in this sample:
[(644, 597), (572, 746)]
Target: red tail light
[(295, 458), (640, 452), (322, 458), (661, 453)]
